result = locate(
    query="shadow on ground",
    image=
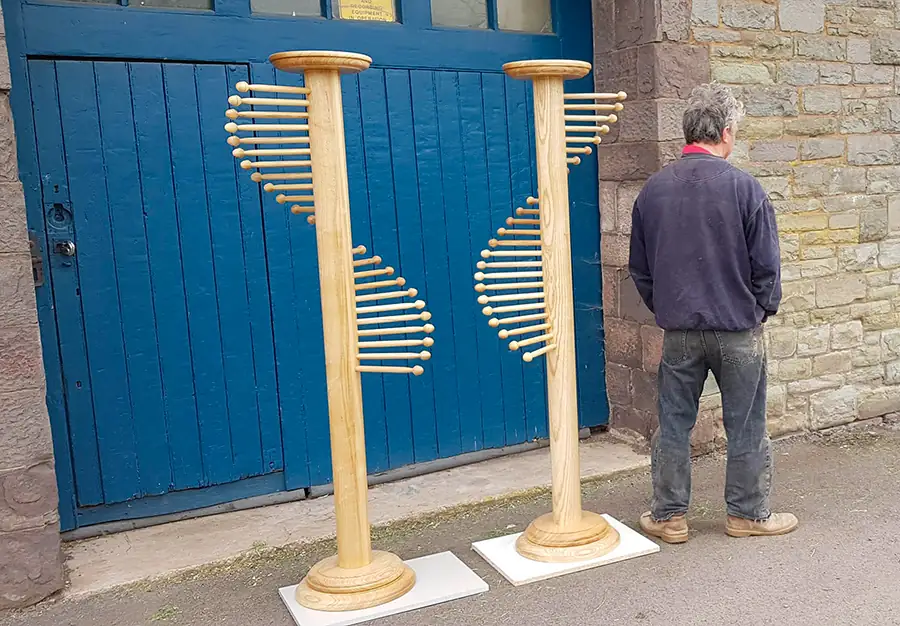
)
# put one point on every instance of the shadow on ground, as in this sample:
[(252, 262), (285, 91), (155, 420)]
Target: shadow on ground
[(841, 567)]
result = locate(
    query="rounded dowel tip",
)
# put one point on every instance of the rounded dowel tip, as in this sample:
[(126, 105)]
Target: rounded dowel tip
[(376, 259), (231, 127), (296, 209), (483, 300), (237, 153), (493, 322), (429, 328), (246, 165), (492, 243), (576, 161), (531, 200), (269, 186), (604, 129), (509, 220), (588, 150), (420, 304), (597, 141), (234, 101), (234, 141), (243, 86), (612, 118), (480, 288), (280, 198), (256, 177), (388, 270), (618, 106), (359, 250), (402, 281), (503, 334), (513, 345), (311, 220), (412, 292), (418, 370), (621, 95), (479, 276), (424, 355), (501, 231), (481, 265), (428, 342), (487, 310), (231, 114), (425, 316), (527, 357), (485, 254)]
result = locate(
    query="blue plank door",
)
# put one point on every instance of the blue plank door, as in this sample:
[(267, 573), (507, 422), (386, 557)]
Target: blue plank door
[(182, 335)]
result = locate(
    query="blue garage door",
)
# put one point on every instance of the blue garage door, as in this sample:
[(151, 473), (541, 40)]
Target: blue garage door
[(180, 309)]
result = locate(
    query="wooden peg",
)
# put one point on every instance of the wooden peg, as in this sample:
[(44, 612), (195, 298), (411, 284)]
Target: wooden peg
[(234, 114), (389, 319), (497, 253), (259, 177), (523, 330), (591, 118), (398, 343), (485, 265), (503, 232), (381, 308), (482, 276), (518, 221), (288, 187), (259, 164), (240, 152), (596, 96), (500, 321), (532, 200), (375, 260), (297, 209), (418, 370), (409, 293), (359, 250), (244, 87), (231, 127), (283, 199), (583, 150), (515, 243), (512, 308), (528, 357), (311, 220), (397, 282), (481, 287), (391, 356), (387, 270), (399, 330), (235, 141), (574, 160), (594, 140), (511, 297), (521, 211), (618, 106), (237, 101), (587, 129)]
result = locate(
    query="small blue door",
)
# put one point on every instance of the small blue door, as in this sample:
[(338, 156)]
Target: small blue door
[(180, 312)]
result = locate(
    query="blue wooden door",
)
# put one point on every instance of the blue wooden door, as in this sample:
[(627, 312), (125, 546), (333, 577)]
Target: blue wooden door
[(182, 337)]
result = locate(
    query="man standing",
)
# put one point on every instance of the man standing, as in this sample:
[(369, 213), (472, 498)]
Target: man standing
[(705, 259)]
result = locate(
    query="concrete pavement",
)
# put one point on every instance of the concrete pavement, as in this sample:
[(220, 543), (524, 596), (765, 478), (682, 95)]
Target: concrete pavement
[(841, 567)]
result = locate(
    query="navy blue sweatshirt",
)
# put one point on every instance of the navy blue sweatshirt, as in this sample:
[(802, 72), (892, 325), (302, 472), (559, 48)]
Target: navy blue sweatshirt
[(704, 247)]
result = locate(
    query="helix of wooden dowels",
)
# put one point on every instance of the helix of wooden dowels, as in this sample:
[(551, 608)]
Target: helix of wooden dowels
[(586, 116), (379, 291), (271, 137)]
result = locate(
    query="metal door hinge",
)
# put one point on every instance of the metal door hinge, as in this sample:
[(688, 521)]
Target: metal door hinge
[(37, 260)]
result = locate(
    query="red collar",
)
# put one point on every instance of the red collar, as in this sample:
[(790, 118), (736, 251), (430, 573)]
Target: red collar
[(695, 150)]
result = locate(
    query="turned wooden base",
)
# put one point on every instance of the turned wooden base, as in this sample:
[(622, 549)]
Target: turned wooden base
[(545, 541), (328, 587)]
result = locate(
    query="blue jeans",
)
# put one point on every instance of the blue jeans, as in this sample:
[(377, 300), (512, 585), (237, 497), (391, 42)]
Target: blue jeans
[(738, 361)]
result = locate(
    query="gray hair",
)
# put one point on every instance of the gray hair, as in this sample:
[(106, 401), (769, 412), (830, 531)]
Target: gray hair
[(711, 109)]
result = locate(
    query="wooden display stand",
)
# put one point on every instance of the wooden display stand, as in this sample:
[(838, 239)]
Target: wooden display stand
[(537, 247), (310, 165)]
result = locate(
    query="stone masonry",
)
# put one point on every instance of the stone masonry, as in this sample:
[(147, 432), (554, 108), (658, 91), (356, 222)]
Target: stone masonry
[(820, 81), (30, 558)]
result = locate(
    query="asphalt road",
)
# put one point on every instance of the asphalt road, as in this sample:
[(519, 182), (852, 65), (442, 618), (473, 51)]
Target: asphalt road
[(842, 566)]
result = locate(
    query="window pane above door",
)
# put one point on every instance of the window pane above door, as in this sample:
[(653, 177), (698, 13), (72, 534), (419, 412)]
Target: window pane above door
[(530, 16), (294, 8), (459, 13), (174, 4)]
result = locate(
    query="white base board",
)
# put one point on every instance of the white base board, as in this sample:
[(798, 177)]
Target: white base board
[(502, 555), (439, 578)]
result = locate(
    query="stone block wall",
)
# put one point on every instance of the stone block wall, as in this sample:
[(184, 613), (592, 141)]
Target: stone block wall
[(30, 560), (820, 80)]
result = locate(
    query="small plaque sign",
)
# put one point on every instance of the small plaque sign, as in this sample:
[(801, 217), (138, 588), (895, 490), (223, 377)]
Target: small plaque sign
[(369, 10)]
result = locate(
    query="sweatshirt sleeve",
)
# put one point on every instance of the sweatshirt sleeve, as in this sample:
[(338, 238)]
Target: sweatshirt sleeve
[(637, 259), (765, 257)]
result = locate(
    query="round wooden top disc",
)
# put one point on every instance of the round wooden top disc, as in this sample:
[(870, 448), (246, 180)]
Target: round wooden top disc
[(561, 68), (297, 62)]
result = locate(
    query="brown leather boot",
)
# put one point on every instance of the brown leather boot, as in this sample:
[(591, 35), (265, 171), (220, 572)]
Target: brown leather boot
[(673, 530), (777, 524)]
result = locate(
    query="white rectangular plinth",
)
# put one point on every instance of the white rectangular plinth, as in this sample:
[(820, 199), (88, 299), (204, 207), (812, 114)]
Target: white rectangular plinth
[(439, 578), (502, 555)]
